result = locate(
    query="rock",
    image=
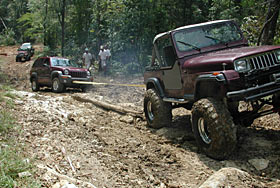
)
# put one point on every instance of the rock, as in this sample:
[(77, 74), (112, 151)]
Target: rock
[(69, 186), (24, 174), (64, 184), (259, 164), (127, 119), (57, 185), (223, 177), (26, 161)]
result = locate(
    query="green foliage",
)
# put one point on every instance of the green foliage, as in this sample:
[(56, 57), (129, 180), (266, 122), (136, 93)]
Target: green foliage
[(128, 26), (6, 121), (11, 165), (251, 28), (32, 27), (7, 37), (12, 162)]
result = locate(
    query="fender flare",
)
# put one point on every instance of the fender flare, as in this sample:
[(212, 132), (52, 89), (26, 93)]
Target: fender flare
[(212, 82), (56, 74), (155, 83)]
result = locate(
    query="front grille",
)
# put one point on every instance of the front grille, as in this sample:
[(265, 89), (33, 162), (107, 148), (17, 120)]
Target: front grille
[(78, 74), (264, 61)]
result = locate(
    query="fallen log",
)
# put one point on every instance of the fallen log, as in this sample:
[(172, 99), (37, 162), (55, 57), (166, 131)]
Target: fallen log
[(107, 106)]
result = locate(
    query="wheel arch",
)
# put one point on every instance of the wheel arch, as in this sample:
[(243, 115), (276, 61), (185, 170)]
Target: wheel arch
[(154, 83), (210, 86), (55, 74)]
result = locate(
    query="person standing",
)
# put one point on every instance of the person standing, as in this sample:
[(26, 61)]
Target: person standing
[(102, 59), (108, 57), (107, 50), (87, 58)]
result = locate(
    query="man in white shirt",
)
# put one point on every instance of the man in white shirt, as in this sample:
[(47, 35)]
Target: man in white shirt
[(102, 58), (107, 50), (87, 58)]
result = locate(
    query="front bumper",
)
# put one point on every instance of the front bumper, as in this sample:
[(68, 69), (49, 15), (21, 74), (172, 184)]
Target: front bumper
[(257, 92), (67, 80), (21, 55)]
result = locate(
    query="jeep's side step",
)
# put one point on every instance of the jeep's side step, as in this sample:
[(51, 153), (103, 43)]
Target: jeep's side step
[(174, 100), (187, 98)]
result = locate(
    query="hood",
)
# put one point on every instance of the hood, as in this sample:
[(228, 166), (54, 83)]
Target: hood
[(22, 52), (72, 69), (214, 59)]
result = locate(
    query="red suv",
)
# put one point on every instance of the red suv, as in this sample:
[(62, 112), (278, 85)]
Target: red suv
[(58, 73)]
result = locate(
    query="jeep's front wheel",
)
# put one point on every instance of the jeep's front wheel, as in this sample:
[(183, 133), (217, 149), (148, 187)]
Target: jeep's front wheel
[(57, 87), (34, 85), (158, 113), (213, 128)]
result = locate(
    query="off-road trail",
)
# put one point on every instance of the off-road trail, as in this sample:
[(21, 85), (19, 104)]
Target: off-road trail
[(70, 140)]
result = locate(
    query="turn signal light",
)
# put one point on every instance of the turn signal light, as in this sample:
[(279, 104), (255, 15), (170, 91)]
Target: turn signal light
[(215, 73)]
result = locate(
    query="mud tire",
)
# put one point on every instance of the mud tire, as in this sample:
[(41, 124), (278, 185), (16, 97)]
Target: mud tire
[(35, 85), (214, 129), (158, 113), (57, 87)]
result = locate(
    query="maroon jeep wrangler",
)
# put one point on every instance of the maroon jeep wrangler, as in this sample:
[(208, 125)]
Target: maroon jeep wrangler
[(58, 73), (209, 69)]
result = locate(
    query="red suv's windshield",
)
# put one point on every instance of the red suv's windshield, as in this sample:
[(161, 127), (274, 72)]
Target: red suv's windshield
[(60, 62), (208, 35)]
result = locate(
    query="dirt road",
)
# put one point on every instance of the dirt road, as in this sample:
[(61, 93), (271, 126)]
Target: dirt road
[(92, 147)]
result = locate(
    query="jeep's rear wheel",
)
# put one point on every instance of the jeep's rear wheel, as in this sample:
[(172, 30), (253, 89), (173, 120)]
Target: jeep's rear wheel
[(157, 112), (34, 85), (213, 128), (57, 87)]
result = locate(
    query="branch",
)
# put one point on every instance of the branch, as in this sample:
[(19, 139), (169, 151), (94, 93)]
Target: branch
[(108, 106), (4, 23), (61, 176)]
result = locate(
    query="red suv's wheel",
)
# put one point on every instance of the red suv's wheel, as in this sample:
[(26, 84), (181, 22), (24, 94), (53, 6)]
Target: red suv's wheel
[(157, 112), (213, 128), (34, 85), (57, 87)]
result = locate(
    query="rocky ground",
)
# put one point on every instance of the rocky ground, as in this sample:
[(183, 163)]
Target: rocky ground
[(77, 142)]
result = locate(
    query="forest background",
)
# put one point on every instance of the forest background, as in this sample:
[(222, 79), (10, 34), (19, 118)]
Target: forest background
[(66, 27)]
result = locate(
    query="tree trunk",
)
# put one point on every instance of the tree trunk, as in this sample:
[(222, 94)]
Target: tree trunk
[(269, 28), (63, 26), (45, 22)]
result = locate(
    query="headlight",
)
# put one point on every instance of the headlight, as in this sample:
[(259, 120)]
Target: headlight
[(242, 66), (277, 53), (66, 71), (88, 73)]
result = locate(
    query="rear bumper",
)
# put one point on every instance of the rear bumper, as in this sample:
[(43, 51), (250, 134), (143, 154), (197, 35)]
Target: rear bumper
[(255, 93)]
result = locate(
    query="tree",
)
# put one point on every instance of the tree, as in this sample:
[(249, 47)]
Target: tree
[(269, 28)]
